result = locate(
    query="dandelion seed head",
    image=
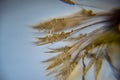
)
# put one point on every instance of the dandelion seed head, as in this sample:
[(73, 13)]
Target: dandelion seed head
[(94, 45)]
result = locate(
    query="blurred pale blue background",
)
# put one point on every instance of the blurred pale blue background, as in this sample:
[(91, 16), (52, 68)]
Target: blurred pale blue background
[(19, 57)]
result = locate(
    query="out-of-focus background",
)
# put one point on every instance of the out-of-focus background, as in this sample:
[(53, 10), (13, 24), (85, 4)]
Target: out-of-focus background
[(20, 59)]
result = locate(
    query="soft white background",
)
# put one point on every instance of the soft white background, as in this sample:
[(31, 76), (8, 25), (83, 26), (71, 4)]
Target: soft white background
[(19, 57)]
